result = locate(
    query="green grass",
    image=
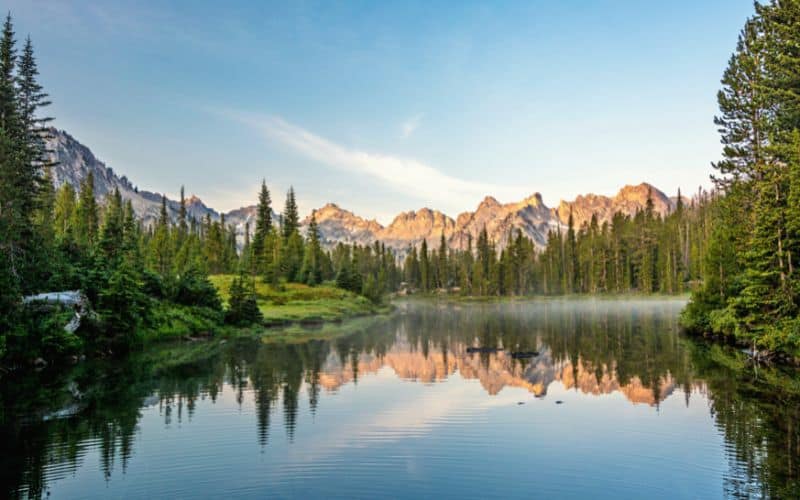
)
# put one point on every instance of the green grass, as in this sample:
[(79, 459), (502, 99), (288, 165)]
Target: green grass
[(172, 321), (293, 302)]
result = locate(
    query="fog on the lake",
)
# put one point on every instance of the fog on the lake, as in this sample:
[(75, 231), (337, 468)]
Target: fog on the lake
[(544, 397)]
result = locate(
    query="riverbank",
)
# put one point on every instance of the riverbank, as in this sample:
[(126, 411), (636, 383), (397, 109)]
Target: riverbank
[(290, 311)]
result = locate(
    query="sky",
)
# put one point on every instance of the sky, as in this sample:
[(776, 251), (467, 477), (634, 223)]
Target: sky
[(384, 107)]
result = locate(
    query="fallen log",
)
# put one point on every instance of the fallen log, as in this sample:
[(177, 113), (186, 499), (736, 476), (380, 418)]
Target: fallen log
[(68, 298)]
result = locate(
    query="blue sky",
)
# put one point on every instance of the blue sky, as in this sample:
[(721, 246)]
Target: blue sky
[(389, 106)]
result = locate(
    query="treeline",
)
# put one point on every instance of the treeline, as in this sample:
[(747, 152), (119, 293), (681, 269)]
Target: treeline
[(644, 253), (751, 283), (279, 253)]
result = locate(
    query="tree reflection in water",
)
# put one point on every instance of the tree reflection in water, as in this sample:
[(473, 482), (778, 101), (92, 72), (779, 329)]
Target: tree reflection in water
[(49, 423)]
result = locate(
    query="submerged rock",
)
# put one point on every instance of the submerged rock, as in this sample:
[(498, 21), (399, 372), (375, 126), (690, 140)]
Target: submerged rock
[(471, 350)]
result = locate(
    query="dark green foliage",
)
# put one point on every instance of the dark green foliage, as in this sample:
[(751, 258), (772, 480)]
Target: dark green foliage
[(311, 271), (291, 218), (242, 305), (194, 289), (260, 249), (122, 305), (750, 287), (348, 278), (21, 245)]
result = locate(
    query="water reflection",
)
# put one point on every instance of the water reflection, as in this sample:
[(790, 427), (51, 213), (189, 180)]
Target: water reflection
[(100, 415)]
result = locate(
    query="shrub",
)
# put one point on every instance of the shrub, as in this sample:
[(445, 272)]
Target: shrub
[(242, 304), (195, 289)]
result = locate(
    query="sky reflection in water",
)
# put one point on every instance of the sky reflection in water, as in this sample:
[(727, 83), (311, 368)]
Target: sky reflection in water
[(616, 404)]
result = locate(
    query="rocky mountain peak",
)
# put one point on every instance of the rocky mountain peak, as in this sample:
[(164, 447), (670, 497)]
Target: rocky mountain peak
[(530, 215), (489, 202), (628, 200), (534, 200), (637, 193)]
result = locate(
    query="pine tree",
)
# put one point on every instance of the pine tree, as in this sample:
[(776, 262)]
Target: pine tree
[(311, 272), (442, 271), (86, 214), (292, 245), (111, 235), (262, 229), (63, 212), (570, 275), (290, 219), (242, 303), (743, 106), (160, 245), (766, 296), (9, 108), (183, 227), (32, 98), (424, 267)]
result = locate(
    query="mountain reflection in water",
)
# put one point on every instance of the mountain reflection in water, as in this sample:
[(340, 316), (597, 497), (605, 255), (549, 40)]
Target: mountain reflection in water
[(678, 417)]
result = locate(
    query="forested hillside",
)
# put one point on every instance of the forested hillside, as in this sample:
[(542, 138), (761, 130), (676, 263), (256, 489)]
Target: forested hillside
[(750, 277)]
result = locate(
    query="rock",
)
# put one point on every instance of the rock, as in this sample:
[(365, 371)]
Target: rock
[(558, 402), (39, 363)]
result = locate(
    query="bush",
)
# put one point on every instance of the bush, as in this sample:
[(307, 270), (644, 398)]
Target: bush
[(723, 322), (153, 285), (122, 306), (242, 304), (174, 321), (349, 279), (55, 340), (41, 333), (195, 289)]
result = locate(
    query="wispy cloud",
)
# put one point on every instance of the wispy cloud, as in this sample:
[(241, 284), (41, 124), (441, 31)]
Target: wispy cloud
[(403, 175), (411, 125)]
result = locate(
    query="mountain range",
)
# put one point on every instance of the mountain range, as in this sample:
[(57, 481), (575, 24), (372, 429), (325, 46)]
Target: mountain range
[(74, 161)]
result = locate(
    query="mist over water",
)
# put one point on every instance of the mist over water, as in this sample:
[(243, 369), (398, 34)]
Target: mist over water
[(612, 401)]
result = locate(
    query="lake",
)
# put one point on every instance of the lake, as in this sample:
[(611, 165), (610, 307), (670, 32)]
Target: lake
[(600, 398)]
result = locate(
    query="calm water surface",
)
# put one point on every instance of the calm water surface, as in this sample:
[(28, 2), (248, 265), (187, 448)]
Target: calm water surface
[(616, 404)]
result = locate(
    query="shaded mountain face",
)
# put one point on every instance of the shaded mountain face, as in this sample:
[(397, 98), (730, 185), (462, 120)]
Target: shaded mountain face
[(75, 161), (501, 220)]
